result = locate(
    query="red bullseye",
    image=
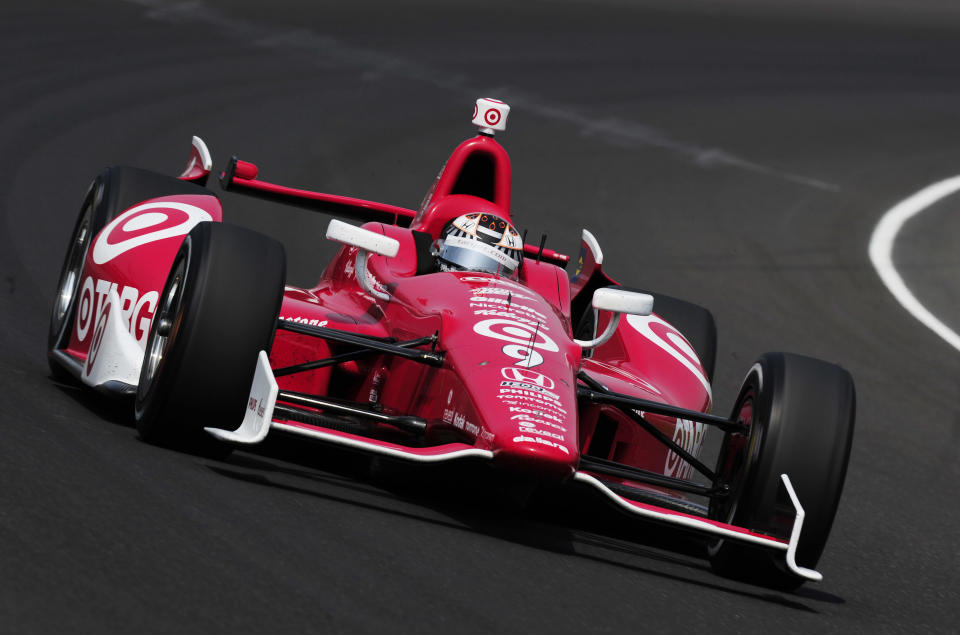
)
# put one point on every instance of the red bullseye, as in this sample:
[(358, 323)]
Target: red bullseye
[(492, 116), (85, 310)]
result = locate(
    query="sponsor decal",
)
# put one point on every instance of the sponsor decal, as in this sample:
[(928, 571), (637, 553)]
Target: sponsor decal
[(256, 406), (523, 327), (372, 282), (376, 385), (540, 400), (136, 310), (543, 433), (528, 420), (144, 224), (528, 376), (459, 421), (525, 355), (507, 306), (498, 291), (521, 385), (689, 436), (493, 281), (538, 413), (523, 339), (541, 441), (303, 320), (533, 411)]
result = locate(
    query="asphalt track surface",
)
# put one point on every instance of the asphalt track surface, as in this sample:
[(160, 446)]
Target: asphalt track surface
[(738, 160)]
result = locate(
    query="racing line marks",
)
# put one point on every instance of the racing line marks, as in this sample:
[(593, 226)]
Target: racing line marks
[(881, 253), (328, 52)]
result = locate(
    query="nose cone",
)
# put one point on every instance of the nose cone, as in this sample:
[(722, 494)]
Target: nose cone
[(535, 454)]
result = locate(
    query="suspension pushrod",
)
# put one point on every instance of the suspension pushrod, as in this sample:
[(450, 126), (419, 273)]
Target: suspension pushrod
[(404, 422), (646, 425), (599, 394), (345, 357), (432, 358)]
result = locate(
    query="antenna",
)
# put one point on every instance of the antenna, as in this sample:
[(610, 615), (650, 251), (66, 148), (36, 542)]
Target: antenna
[(543, 241)]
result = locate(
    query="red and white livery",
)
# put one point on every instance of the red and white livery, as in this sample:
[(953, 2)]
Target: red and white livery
[(570, 380)]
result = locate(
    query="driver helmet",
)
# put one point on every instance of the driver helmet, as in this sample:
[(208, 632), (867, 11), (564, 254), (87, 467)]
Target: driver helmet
[(480, 242)]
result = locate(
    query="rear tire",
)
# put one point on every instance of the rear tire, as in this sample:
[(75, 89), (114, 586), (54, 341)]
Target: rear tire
[(113, 191), (217, 311), (800, 413)]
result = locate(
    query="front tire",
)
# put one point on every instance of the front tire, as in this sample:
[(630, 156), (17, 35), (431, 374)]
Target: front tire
[(799, 412), (217, 311), (113, 191)]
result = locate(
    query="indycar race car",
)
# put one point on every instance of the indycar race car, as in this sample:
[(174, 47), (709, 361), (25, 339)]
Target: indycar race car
[(438, 335)]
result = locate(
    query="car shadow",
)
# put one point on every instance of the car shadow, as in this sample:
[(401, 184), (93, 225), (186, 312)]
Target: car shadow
[(118, 412), (551, 521), (469, 498)]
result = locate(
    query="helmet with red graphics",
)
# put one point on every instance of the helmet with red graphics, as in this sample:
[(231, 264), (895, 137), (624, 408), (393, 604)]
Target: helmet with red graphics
[(480, 242)]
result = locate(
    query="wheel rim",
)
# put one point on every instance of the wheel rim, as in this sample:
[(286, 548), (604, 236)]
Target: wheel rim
[(72, 267), (736, 455), (165, 326)]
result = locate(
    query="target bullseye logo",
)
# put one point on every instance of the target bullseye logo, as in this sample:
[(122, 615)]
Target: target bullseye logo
[(490, 115), (145, 224), (85, 316)]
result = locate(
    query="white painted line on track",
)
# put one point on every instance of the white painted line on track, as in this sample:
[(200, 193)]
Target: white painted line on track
[(881, 253)]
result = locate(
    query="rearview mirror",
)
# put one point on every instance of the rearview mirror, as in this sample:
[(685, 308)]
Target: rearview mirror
[(622, 301), (361, 238), (617, 301), (367, 242)]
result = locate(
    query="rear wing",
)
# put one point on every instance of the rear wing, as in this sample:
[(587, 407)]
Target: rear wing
[(241, 176)]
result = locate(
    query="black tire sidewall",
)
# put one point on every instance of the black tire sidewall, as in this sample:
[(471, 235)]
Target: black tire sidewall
[(232, 292), (804, 411)]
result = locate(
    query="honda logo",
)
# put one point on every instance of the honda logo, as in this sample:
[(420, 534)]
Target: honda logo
[(527, 375)]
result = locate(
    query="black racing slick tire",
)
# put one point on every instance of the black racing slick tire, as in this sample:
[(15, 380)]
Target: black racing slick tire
[(113, 191), (217, 311), (799, 414)]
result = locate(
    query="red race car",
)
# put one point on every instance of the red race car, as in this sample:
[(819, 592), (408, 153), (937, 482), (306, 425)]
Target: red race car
[(439, 334)]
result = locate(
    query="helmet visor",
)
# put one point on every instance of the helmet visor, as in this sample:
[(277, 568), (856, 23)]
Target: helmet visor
[(472, 255)]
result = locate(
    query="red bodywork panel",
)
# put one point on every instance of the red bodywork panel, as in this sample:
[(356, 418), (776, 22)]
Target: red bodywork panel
[(508, 383)]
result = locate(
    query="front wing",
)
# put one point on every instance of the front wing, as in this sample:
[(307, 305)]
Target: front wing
[(258, 421)]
